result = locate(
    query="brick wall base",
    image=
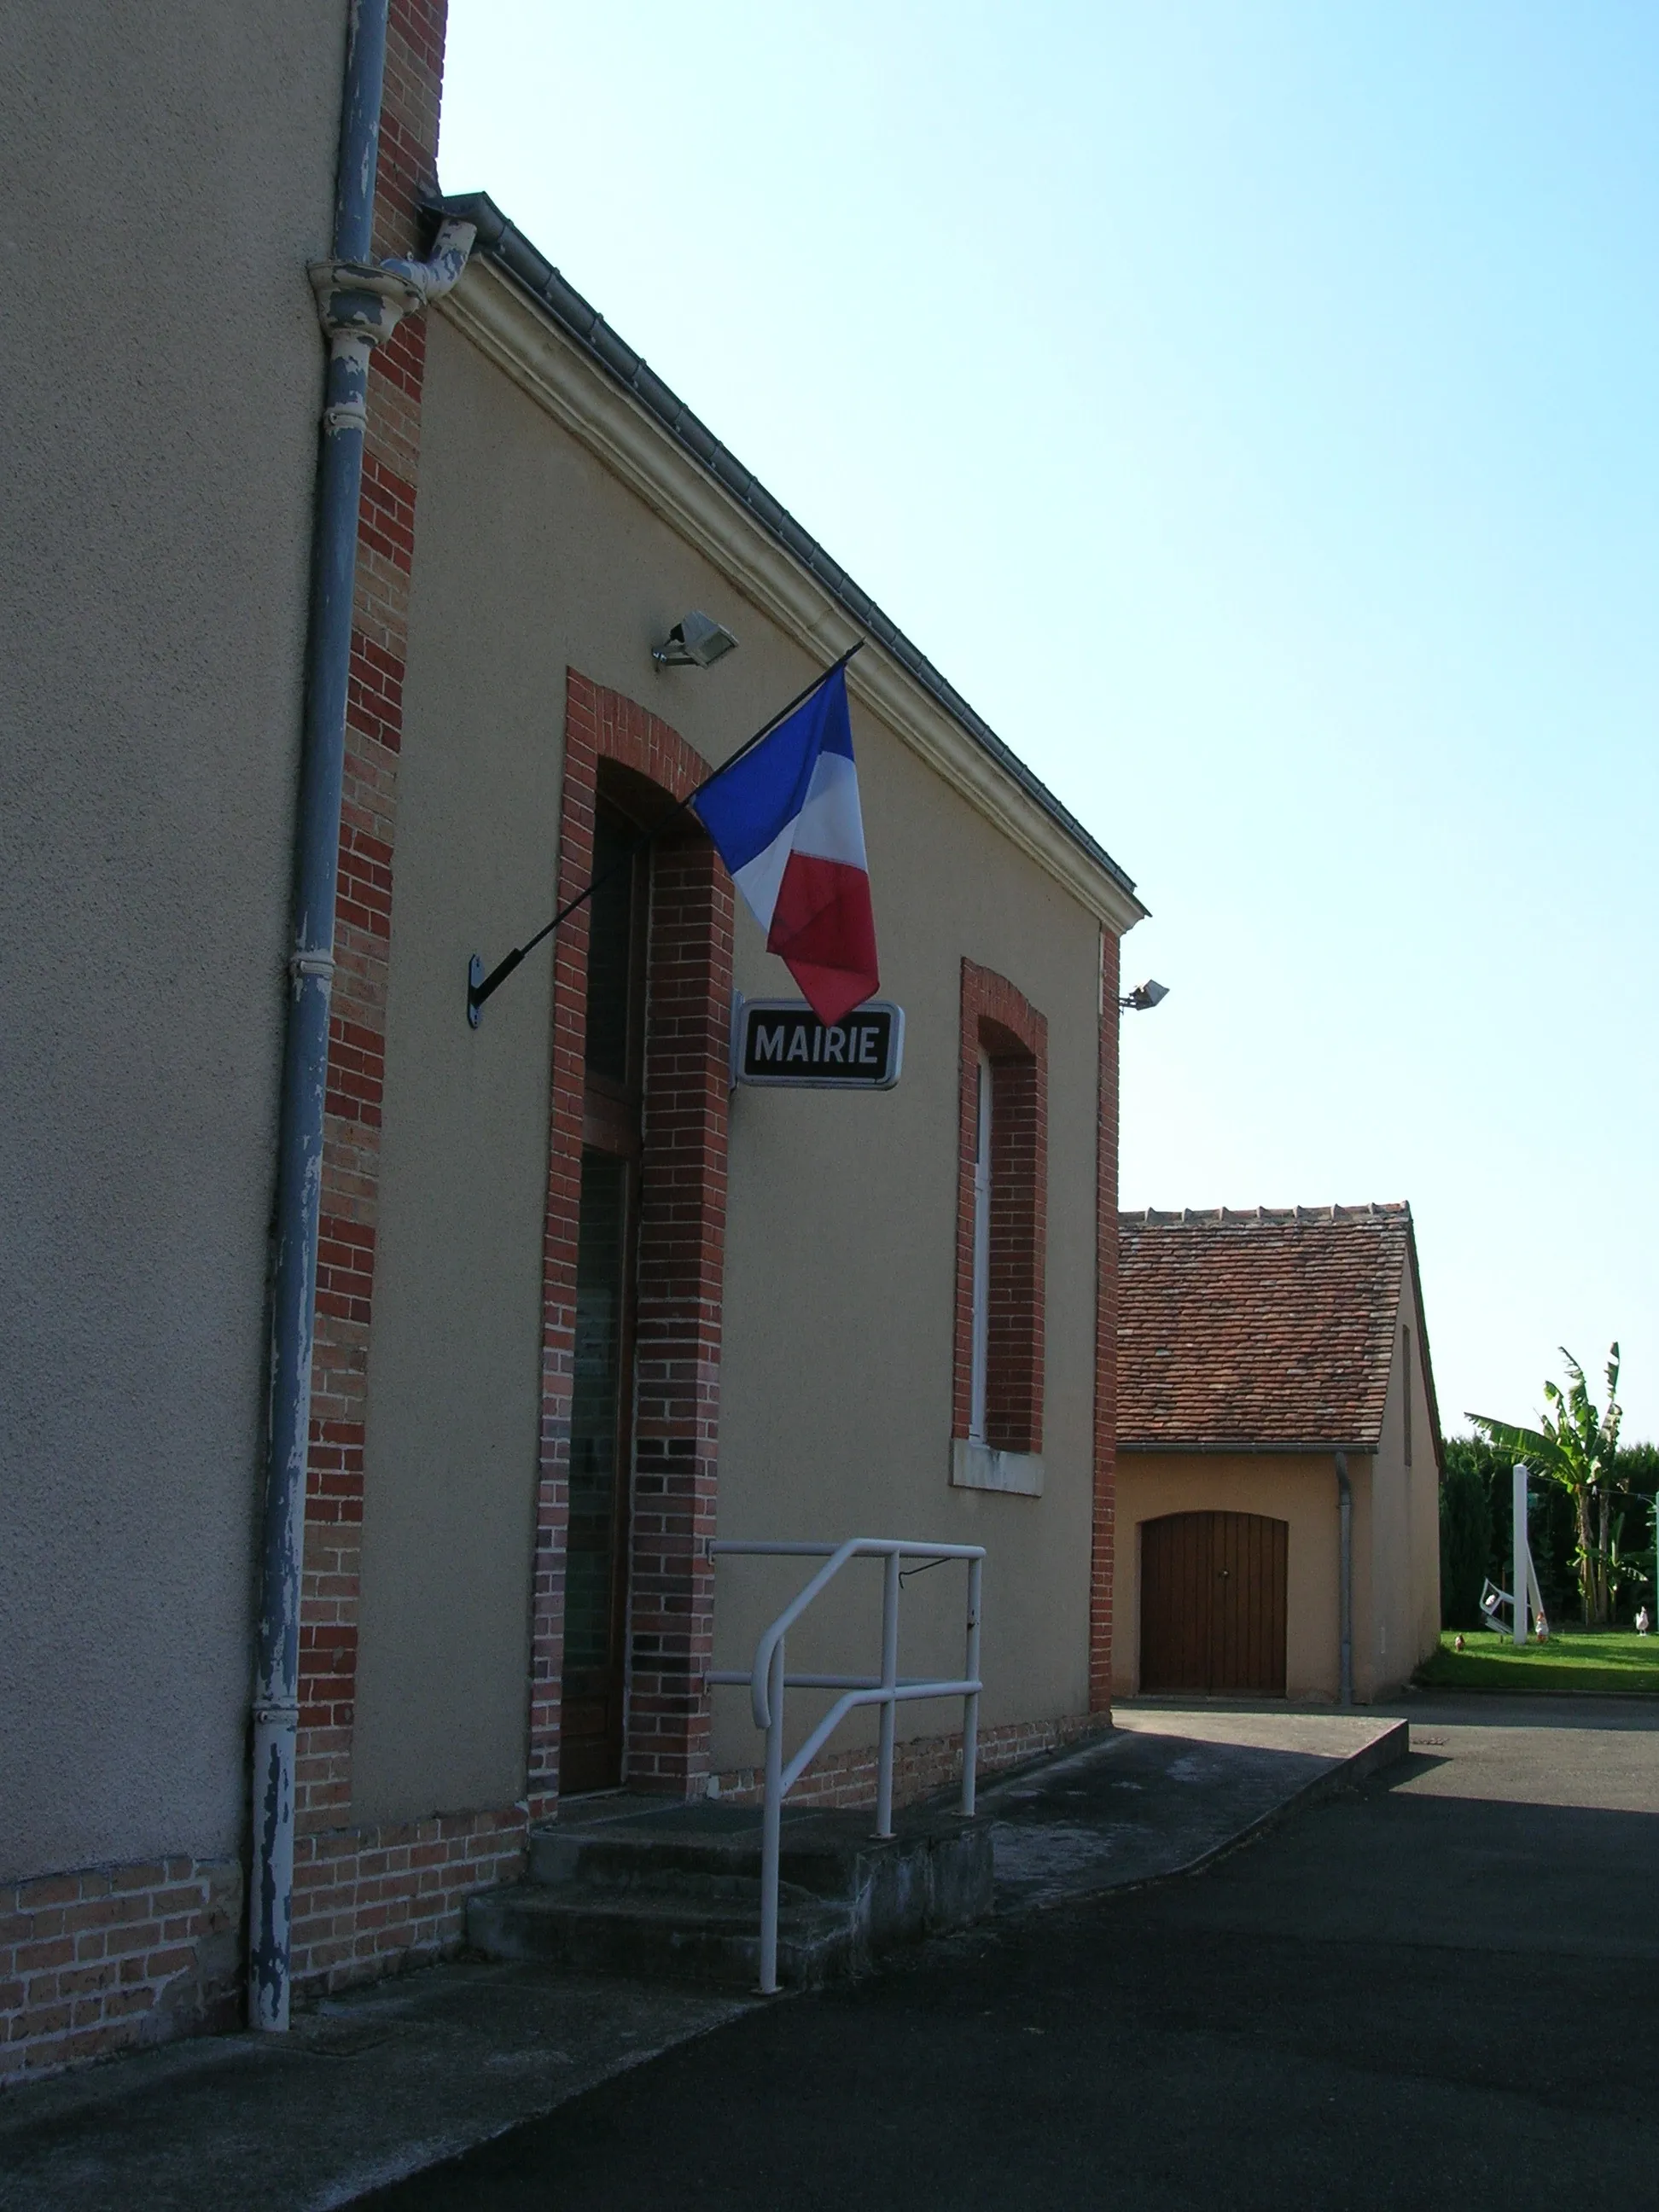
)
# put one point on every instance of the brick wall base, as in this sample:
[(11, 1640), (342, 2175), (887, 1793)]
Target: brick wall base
[(106, 1958), (920, 1766), (373, 1901), (109, 1958)]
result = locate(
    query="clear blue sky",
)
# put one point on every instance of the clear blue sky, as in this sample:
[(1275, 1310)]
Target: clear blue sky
[(1252, 409)]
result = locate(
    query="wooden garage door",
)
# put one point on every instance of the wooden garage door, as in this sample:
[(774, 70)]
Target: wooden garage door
[(1213, 1603)]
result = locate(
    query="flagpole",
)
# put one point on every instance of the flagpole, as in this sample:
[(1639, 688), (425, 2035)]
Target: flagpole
[(480, 987)]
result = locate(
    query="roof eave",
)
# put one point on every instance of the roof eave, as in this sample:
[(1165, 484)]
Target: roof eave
[(532, 273), (1250, 1446)]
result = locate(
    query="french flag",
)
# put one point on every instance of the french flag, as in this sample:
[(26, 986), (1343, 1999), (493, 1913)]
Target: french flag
[(785, 819)]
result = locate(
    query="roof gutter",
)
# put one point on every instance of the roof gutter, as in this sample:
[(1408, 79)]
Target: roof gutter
[(512, 251)]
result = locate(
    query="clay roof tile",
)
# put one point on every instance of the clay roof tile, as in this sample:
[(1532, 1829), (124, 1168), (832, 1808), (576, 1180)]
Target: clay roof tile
[(1270, 1329)]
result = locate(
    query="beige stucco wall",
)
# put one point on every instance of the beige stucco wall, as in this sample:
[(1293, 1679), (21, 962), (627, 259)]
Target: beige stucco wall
[(165, 173), (1386, 1653), (1426, 1491), (836, 1382), (1406, 1555), (1298, 1489), (836, 1385)]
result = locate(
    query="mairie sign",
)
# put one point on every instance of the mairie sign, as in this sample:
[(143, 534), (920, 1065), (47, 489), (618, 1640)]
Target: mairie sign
[(782, 1040)]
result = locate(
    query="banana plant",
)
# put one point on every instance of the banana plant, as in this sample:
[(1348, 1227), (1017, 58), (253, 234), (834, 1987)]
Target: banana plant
[(1575, 1445)]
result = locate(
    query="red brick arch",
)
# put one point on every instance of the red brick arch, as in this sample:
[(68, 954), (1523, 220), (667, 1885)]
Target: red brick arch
[(681, 1259)]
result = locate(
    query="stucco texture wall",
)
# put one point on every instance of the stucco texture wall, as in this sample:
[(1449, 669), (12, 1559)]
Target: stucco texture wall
[(167, 175), (841, 1234), (837, 1380)]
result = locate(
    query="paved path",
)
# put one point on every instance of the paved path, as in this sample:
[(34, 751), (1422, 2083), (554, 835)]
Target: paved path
[(386, 2081), (1435, 1991)]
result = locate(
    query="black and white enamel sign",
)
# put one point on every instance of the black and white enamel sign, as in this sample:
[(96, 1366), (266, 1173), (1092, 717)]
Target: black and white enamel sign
[(782, 1042)]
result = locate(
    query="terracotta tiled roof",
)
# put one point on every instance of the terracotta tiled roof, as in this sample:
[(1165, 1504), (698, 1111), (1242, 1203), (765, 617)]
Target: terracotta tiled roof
[(1271, 1330)]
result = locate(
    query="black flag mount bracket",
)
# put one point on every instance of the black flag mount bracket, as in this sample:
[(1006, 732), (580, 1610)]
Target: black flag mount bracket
[(480, 987)]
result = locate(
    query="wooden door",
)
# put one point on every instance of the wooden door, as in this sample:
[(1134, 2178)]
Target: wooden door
[(1212, 1604), (1176, 1571)]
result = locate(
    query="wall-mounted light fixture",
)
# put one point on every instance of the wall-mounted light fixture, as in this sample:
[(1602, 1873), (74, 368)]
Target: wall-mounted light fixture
[(694, 642), (1144, 996)]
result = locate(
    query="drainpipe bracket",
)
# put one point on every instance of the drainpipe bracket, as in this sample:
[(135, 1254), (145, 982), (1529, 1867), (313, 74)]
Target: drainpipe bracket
[(367, 299), (360, 299)]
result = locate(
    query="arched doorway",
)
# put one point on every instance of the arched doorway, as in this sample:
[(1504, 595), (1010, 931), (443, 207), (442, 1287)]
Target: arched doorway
[(622, 1624), (1212, 1604)]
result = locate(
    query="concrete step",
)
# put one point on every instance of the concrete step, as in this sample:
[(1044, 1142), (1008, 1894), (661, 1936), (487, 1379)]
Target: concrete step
[(716, 1848), (664, 1934), (674, 1890)]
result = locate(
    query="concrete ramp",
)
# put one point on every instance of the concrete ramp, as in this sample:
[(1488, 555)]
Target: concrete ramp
[(1166, 1792)]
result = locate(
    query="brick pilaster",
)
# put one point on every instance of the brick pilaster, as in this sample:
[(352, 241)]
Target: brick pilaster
[(681, 1265)]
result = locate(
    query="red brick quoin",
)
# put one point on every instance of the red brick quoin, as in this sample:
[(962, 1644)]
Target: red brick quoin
[(362, 938), (680, 1266), (368, 1899), (1001, 1021)]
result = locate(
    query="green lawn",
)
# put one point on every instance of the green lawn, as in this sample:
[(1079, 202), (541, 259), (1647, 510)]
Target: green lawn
[(1574, 1659)]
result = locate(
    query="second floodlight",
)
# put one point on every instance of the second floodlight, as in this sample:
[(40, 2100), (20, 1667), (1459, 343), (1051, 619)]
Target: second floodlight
[(1144, 995), (696, 641)]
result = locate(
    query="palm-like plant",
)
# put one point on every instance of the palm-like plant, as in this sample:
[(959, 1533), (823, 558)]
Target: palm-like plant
[(1575, 1445)]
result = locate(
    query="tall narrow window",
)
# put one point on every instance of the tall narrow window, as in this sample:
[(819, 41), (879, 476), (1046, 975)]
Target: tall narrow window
[(601, 1401), (1001, 1229), (1406, 1376), (982, 1251)]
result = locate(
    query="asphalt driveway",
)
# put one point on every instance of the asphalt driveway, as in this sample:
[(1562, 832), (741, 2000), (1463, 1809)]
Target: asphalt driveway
[(1434, 1992)]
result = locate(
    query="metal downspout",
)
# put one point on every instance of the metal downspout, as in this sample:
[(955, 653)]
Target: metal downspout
[(359, 304), (1344, 1575)]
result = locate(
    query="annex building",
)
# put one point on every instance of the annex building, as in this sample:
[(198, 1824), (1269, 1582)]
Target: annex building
[(1278, 1455)]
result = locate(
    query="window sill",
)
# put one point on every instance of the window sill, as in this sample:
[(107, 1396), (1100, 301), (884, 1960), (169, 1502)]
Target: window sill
[(976, 1467)]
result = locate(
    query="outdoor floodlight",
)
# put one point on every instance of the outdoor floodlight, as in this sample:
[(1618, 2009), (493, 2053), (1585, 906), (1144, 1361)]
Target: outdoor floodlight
[(693, 643), (1144, 995)]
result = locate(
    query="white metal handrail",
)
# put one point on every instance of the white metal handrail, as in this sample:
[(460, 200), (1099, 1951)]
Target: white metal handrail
[(767, 1678)]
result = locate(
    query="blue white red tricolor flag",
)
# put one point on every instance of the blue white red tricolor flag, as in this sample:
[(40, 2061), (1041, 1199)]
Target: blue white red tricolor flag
[(785, 821)]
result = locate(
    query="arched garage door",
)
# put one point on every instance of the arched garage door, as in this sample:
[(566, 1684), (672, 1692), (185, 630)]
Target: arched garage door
[(1213, 1603)]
